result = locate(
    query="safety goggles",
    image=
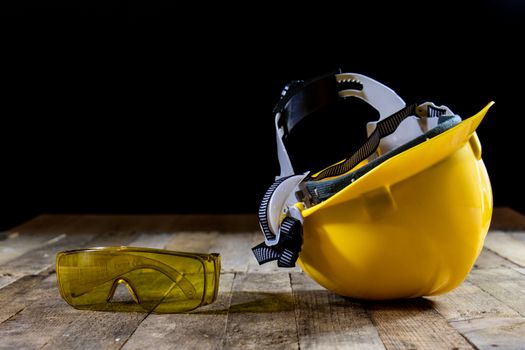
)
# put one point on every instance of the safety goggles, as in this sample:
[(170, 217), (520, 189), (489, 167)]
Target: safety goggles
[(159, 281)]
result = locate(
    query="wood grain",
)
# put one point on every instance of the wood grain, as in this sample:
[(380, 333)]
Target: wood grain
[(326, 320), (494, 333), (506, 246), (258, 306), (468, 301), (506, 285), (48, 322), (262, 313), (194, 241), (414, 324), (79, 329), (476, 314), (40, 232), (71, 234), (520, 236), (44, 224), (204, 328), (490, 260), (32, 268), (236, 250), (40, 259), (16, 296)]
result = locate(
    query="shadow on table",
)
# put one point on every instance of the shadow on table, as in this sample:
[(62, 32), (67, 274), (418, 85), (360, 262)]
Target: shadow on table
[(322, 300)]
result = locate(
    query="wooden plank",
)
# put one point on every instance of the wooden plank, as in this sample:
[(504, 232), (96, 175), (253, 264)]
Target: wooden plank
[(507, 247), (44, 223), (144, 223), (506, 285), (202, 329), (262, 313), (154, 231), (50, 323), (16, 244), (233, 223), (236, 250), (490, 260), (153, 240), (74, 232), (494, 333), (520, 236), (38, 232), (326, 320), (231, 235), (265, 311), (40, 262), (216, 223), (71, 232), (520, 270), (16, 296), (475, 314), (507, 219), (23, 287), (195, 242), (467, 302), (88, 325), (40, 259), (413, 324)]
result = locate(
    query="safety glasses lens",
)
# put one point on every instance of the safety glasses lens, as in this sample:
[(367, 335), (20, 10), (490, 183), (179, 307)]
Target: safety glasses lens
[(154, 281)]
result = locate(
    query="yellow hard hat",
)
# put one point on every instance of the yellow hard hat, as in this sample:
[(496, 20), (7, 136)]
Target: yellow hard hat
[(404, 216)]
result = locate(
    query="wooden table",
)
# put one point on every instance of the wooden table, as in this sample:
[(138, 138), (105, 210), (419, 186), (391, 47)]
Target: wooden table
[(258, 306)]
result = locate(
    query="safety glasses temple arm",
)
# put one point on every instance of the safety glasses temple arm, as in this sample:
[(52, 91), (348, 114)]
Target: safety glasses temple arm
[(182, 282)]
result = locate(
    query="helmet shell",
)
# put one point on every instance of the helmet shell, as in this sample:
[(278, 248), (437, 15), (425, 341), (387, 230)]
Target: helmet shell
[(410, 227)]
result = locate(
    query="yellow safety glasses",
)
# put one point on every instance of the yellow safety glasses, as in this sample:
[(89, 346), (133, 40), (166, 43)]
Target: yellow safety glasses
[(159, 281)]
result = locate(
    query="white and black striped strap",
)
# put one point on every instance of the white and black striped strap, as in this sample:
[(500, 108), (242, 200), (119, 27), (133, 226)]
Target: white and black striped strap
[(287, 250), (263, 210)]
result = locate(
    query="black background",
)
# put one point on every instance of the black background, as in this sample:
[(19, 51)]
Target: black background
[(165, 107)]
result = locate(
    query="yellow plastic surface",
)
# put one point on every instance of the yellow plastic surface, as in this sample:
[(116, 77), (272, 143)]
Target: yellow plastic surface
[(159, 281), (412, 226)]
